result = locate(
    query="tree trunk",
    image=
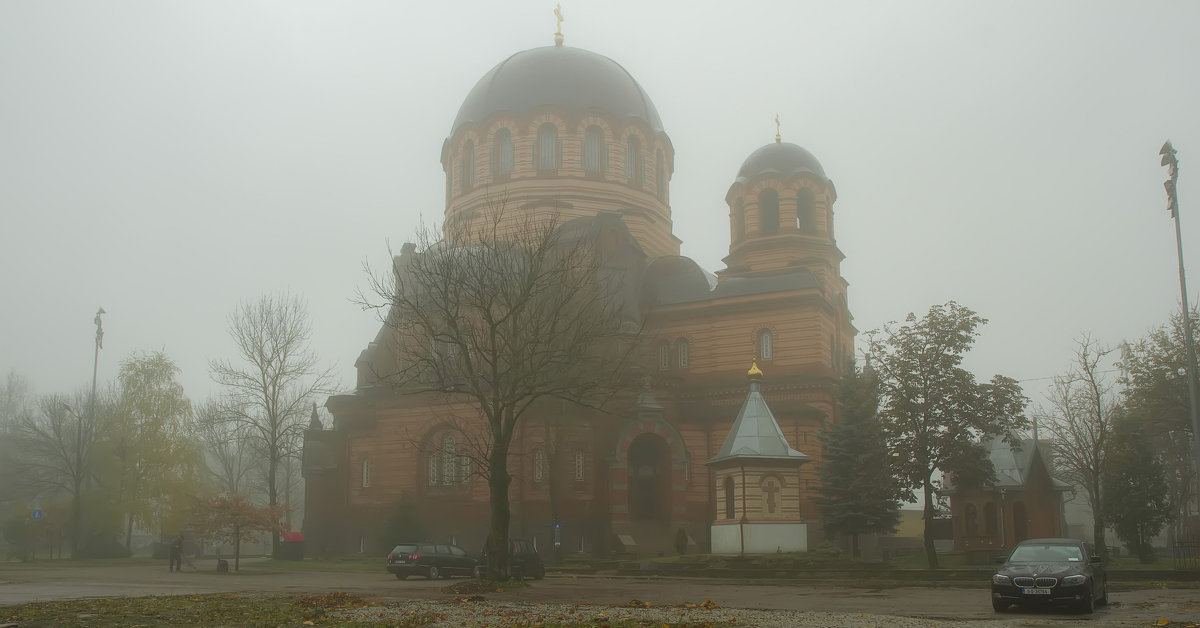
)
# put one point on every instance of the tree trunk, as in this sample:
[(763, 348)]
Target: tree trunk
[(930, 550), (497, 541), (237, 547), (1098, 521), (273, 499)]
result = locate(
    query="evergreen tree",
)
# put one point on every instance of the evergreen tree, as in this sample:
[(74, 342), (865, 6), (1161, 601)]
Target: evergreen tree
[(860, 494), (1136, 491)]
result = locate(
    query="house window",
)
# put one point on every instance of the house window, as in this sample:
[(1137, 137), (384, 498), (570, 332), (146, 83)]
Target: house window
[(579, 461), (664, 356), (660, 176), (806, 214), (539, 466), (502, 153), (682, 350), (633, 160), (595, 153), (366, 473), (467, 176), (547, 147), (764, 345), (768, 211)]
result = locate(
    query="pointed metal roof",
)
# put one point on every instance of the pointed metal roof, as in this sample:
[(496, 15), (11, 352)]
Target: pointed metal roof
[(755, 434)]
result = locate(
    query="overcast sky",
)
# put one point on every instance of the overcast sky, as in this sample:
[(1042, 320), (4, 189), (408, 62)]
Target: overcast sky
[(168, 160)]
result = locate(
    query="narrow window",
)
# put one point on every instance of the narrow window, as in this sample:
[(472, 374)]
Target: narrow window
[(366, 473), (579, 460), (660, 176), (547, 147), (502, 153), (435, 467), (449, 460), (682, 347), (633, 160), (467, 176), (539, 466), (730, 510), (764, 345), (768, 211), (595, 153), (449, 183), (464, 469), (806, 215), (664, 356)]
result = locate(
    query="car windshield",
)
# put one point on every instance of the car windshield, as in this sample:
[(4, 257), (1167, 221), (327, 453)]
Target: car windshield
[(1047, 553), (404, 549)]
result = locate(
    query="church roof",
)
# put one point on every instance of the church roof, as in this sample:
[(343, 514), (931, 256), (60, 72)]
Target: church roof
[(561, 76), (1013, 466), (755, 434), (781, 158)]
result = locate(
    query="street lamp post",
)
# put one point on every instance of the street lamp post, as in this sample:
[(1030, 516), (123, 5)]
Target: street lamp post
[(1171, 184)]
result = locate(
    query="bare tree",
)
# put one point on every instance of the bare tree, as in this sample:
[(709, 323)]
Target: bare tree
[(1080, 410), (16, 405), (500, 315), (56, 445), (267, 391), (228, 452)]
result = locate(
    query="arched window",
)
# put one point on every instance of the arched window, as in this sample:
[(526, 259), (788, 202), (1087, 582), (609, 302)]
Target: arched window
[(547, 147), (989, 518), (972, 517), (633, 160), (579, 462), (660, 175), (681, 348), (366, 472), (595, 152), (502, 153), (806, 213), (467, 176), (664, 356), (435, 469), (539, 465), (730, 508), (768, 211), (464, 470), (764, 345)]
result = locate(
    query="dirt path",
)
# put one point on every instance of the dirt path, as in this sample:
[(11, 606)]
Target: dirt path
[(20, 584)]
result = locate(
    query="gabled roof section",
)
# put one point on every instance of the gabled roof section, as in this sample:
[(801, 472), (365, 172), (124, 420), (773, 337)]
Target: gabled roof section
[(1014, 465), (756, 434)]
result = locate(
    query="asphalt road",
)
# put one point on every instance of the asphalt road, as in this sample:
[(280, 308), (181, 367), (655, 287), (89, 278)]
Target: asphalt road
[(945, 605)]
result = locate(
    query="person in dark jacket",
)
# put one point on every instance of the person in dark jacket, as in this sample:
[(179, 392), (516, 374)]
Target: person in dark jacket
[(175, 555)]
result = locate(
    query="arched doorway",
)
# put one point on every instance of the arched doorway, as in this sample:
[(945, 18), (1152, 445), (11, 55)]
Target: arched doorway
[(649, 462)]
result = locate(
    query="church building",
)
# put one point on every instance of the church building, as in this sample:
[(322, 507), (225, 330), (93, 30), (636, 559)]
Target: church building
[(568, 131)]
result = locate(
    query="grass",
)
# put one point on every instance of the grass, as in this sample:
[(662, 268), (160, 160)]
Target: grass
[(347, 565)]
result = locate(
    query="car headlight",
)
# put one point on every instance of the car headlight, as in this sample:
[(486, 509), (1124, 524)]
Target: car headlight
[(998, 578), (1074, 580)]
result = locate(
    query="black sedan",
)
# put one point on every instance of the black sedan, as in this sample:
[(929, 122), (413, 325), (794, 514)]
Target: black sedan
[(1046, 572), (432, 560)]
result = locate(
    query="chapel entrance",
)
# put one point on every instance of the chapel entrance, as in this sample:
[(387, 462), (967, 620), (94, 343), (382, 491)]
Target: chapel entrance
[(649, 479)]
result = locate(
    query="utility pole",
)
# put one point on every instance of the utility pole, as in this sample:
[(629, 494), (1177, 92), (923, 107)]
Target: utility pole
[(1171, 184)]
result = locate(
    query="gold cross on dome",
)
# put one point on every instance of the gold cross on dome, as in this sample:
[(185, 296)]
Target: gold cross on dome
[(778, 138), (558, 18)]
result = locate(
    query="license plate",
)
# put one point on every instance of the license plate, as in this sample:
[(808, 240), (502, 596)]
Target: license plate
[(1036, 591), (402, 562)]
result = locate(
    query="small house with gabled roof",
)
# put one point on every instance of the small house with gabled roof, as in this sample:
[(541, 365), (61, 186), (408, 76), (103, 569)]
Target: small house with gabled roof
[(756, 475), (1026, 500)]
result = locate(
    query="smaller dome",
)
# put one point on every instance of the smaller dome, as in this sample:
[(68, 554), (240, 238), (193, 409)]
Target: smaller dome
[(782, 158)]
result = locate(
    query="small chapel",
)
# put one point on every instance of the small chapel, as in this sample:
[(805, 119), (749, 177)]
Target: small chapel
[(733, 464)]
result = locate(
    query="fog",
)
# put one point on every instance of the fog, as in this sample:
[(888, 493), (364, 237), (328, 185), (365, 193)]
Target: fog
[(169, 160)]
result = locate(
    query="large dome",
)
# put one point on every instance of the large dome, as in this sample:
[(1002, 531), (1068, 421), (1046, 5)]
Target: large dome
[(781, 158), (572, 78)]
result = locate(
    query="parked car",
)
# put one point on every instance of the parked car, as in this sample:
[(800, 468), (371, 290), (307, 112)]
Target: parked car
[(1045, 572), (432, 560), (523, 561)]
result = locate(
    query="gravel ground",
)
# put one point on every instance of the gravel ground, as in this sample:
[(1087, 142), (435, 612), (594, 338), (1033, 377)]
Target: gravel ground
[(480, 614)]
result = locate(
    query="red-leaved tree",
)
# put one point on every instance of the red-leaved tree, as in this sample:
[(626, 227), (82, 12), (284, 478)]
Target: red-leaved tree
[(229, 518)]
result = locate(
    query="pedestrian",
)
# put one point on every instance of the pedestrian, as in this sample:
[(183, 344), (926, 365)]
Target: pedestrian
[(175, 554)]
